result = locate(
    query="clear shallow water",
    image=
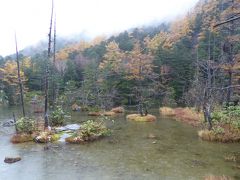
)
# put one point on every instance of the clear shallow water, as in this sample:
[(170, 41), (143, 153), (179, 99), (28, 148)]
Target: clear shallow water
[(127, 154)]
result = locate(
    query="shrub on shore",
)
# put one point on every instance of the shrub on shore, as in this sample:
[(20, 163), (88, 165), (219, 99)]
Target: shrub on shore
[(226, 126), (57, 116), (25, 125)]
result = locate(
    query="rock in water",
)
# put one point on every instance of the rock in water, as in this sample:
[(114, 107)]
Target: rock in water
[(8, 123), (72, 127), (12, 159), (151, 136)]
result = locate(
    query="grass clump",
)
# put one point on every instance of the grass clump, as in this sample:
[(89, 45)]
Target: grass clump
[(186, 115), (139, 118), (167, 111), (21, 138), (89, 131)]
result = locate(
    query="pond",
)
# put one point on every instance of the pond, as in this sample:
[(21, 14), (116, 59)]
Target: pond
[(175, 153)]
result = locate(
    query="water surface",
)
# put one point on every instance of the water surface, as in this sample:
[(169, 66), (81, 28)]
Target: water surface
[(176, 153)]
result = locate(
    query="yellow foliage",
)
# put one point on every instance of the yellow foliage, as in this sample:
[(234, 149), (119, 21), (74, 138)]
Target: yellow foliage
[(112, 59), (26, 63), (139, 65), (9, 73), (156, 41)]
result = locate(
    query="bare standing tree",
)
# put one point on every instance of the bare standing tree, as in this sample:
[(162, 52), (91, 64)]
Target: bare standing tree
[(19, 77), (54, 85), (46, 123)]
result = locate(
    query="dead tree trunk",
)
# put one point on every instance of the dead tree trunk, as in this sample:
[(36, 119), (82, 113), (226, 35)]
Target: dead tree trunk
[(19, 77), (208, 93), (54, 85), (46, 123)]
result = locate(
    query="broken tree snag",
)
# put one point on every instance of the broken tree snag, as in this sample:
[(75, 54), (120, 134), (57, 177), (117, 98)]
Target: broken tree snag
[(46, 120), (54, 87)]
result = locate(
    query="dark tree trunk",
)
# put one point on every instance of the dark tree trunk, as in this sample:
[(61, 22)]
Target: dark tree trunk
[(229, 90), (46, 123), (19, 78)]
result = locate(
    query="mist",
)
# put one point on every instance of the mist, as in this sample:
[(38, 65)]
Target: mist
[(30, 19)]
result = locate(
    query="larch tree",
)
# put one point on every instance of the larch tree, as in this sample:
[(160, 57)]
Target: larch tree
[(139, 68)]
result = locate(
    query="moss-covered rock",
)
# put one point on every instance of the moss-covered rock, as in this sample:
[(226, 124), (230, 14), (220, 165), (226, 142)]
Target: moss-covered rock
[(139, 118), (118, 109)]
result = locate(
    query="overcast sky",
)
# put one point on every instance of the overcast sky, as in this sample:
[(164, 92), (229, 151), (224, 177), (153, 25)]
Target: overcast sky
[(30, 18)]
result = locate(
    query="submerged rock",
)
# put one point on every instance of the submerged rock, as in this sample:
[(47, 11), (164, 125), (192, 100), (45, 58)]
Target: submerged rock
[(94, 114), (139, 118), (8, 123), (212, 177), (106, 113), (151, 136), (12, 159), (109, 113)]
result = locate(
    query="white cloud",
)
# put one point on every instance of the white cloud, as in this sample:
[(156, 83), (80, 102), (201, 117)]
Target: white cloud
[(30, 18)]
